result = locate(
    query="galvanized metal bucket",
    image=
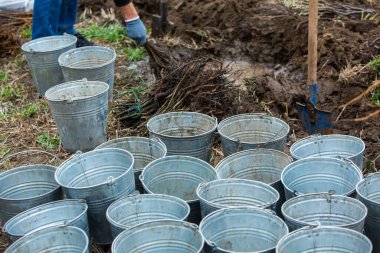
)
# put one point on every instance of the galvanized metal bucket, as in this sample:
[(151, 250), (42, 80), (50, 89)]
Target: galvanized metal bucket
[(80, 110), (264, 165), (242, 229), (320, 174), (249, 131), (324, 209), (178, 176), (185, 133), (144, 150), (135, 210), (70, 212), (100, 177), (334, 145), (368, 192), (225, 193), (160, 236), (324, 239), (25, 187), (52, 239), (42, 57), (94, 63)]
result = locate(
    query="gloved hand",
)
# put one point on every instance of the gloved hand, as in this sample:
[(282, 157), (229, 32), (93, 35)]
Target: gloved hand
[(136, 30)]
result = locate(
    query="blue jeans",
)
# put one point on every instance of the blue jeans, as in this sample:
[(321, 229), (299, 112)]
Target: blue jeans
[(53, 17)]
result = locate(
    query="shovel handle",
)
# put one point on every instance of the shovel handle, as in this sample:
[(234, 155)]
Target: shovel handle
[(313, 42)]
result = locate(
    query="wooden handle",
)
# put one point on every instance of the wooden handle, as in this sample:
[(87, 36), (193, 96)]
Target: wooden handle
[(313, 42)]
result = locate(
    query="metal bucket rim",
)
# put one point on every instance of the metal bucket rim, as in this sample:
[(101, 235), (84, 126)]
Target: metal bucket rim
[(246, 210), (159, 223), (172, 158), (43, 230), (26, 167), (322, 196), (50, 91), (31, 42), (87, 48), (151, 196), (9, 224), (184, 113), (64, 166), (361, 183), (272, 140), (156, 141), (219, 182), (324, 229), (317, 136), (355, 167)]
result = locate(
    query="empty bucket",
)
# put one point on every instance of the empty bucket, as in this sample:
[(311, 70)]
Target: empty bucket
[(42, 57), (135, 210), (242, 229), (320, 174), (63, 239), (185, 133), (144, 151), (264, 165), (100, 177), (94, 63), (334, 145), (158, 237), (324, 239), (178, 176), (249, 131), (80, 111), (368, 192), (324, 209), (225, 193), (25, 187), (69, 212)]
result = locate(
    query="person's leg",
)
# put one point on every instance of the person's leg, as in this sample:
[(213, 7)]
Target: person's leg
[(68, 16), (45, 18)]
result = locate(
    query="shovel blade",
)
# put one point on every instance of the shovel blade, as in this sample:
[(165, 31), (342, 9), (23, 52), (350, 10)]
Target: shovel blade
[(314, 120)]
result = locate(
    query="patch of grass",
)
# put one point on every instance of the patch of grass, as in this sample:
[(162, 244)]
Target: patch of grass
[(26, 32), (8, 92), (136, 91), (375, 98), (135, 54), (107, 33), (47, 141), (3, 76), (375, 64), (28, 111), (4, 152)]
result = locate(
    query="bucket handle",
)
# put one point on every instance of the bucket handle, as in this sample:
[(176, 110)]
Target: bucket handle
[(213, 246), (157, 139), (28, 151)]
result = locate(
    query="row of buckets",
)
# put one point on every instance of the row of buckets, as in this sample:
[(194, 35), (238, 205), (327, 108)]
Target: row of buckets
[(160, 194)]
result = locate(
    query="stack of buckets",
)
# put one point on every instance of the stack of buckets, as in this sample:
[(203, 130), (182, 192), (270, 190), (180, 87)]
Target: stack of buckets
[(160, 194)]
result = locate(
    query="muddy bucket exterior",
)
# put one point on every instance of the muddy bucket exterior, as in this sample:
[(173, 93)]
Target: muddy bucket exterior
[(25, 187), (324, 239), (250, 131), (144, 151), (185, 133), (52, 239), (94, 63), (334, 145), (264, 165), (226, 193), (178, 176), (324, 209), (100, 177), (320, 175), (368, 192), (160, 236), (70, 212), (242, 229), (80, 110), (42, 57), (135, 210)]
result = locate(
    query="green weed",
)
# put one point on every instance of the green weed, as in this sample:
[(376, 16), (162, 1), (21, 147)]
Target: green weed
[(375, 98), (367, 16), (26, 32), (8, 93), (375, 64), (135, 54), (4, 152), (47, 141), (3, 76), (28, 111), (137, 91), (107, 33)]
